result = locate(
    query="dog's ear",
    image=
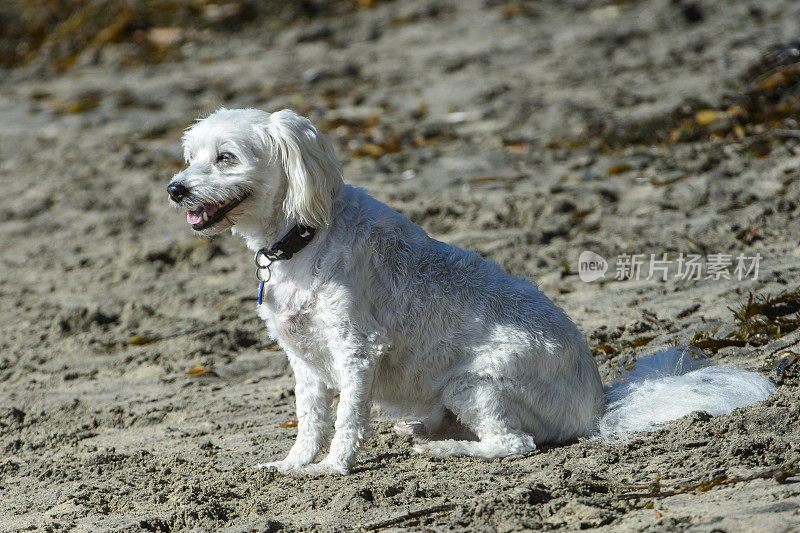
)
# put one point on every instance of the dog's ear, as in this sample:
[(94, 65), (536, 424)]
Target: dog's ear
[(307, 157)]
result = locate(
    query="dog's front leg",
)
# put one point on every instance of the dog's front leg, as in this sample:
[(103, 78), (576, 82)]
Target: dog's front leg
[(352, 421), (313, 400)]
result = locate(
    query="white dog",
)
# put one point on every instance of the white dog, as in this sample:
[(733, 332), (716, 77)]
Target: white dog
[(366, 305)]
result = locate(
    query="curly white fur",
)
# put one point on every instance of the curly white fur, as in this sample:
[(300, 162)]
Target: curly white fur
[(374, 310)]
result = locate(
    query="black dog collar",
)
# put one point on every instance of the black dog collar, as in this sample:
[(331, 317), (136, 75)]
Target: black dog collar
[(295, 240)]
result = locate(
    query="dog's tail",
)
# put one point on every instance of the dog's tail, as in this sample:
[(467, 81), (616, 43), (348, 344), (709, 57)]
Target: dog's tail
[(673, 383)]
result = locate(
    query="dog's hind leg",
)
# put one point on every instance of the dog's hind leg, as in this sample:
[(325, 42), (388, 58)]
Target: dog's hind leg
[(440, 425), (489, 447), (424, 428), (488, 412)]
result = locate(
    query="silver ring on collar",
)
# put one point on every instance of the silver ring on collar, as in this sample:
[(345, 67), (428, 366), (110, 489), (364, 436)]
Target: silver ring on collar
[(262, 263)]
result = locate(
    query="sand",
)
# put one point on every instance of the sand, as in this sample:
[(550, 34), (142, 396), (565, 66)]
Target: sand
[(138, 387)]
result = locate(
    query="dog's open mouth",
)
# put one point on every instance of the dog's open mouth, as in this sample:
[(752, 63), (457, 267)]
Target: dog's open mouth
[(207, 215)]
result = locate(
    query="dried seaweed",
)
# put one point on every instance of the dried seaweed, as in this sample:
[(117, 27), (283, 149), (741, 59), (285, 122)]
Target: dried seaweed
[(657, 490), (642, 341), (764, 318), (140, 340), (392, 522), (606, 349), (58, 31), (766, 94), (199, 370), (712, 344)]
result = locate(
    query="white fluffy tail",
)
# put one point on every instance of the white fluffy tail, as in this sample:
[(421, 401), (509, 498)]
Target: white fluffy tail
[(672, 384)]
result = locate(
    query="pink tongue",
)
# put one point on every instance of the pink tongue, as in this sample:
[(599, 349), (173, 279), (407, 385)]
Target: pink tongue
[(196, 216)]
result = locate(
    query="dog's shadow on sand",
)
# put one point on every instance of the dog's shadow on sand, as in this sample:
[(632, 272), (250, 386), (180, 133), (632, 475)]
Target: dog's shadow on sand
[(381, 460), (377, 462)]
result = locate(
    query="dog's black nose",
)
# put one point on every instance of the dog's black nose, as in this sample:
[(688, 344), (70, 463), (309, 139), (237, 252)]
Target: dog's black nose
[(177, 191)]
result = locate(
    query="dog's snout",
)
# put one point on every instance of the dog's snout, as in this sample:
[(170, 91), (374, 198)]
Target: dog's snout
[(177, 191)]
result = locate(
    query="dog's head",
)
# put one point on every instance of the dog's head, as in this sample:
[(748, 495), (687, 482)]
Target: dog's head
[(247, 167)]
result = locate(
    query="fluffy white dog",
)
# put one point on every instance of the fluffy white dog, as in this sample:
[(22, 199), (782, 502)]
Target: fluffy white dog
[(366, 305)]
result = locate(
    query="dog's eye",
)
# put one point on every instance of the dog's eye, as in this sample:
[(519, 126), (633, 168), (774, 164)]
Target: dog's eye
[(226, 157)]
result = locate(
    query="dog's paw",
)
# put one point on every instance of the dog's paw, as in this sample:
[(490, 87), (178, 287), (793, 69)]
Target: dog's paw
[(411, 429), (284, 466), (433, 449), (447, 448), (325, 467)]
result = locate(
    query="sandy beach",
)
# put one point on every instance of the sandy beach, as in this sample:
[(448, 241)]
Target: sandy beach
[(138, 387)]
